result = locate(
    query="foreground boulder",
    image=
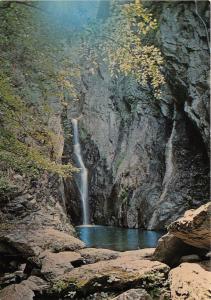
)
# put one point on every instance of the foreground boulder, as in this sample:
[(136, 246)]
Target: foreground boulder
[(194, 227), (170, 249), (190, 281), (25, 290), (57, 264), (188, 235), (113, 275)]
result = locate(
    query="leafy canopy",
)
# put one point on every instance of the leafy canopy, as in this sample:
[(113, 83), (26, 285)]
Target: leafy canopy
[(123, 43), (28, 58)]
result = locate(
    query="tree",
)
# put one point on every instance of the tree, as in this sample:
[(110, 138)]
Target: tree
[(27, 144), (122, 41)]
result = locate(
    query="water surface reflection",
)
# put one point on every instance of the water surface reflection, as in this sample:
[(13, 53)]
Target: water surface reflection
[(116, 238)]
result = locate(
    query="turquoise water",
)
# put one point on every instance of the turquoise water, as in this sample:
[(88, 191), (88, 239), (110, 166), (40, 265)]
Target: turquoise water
[(115, 238)]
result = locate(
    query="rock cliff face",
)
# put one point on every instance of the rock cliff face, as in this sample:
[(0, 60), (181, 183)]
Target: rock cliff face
[(148, 159)]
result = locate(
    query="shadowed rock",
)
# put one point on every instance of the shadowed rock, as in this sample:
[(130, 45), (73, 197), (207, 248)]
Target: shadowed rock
[(134, 294), (23, 291), (170, 249)]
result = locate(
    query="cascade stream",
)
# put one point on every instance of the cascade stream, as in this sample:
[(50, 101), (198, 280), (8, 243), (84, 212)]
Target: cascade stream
[(83, 174), (168, 174)]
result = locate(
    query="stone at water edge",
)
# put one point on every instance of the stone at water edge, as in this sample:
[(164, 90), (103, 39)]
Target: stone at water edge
[(170, 249), (134, 294), (190, 281), (92, 255), (32, 242)]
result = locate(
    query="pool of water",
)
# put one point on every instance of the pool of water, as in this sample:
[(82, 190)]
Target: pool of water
[(115, 238)]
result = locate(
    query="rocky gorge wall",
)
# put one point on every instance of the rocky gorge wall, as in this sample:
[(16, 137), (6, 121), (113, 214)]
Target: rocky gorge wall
[(148, 159)]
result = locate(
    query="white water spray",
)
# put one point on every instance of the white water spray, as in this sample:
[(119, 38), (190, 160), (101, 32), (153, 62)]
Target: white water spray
[(83, 182)]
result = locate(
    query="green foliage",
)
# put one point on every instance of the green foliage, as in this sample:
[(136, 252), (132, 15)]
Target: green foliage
[(5, 186), (38, 60), (124, 195), (27, 144), (122, 43), (127, 28), (60, 286)]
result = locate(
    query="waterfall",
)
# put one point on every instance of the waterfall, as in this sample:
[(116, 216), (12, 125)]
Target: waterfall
[(83, 182), (167, 176), (169, 165)]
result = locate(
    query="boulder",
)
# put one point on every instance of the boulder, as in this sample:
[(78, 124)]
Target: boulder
[(194, 227), (35, 283), (16, 292), (32, 242), (170, 249), (190, 281), (134, 294), (92, 255), (116, 274), (23, 291), (57, 264)]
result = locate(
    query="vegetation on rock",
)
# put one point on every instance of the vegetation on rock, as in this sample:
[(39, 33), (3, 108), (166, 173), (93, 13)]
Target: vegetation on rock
[(37, 62), (27, 143)]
